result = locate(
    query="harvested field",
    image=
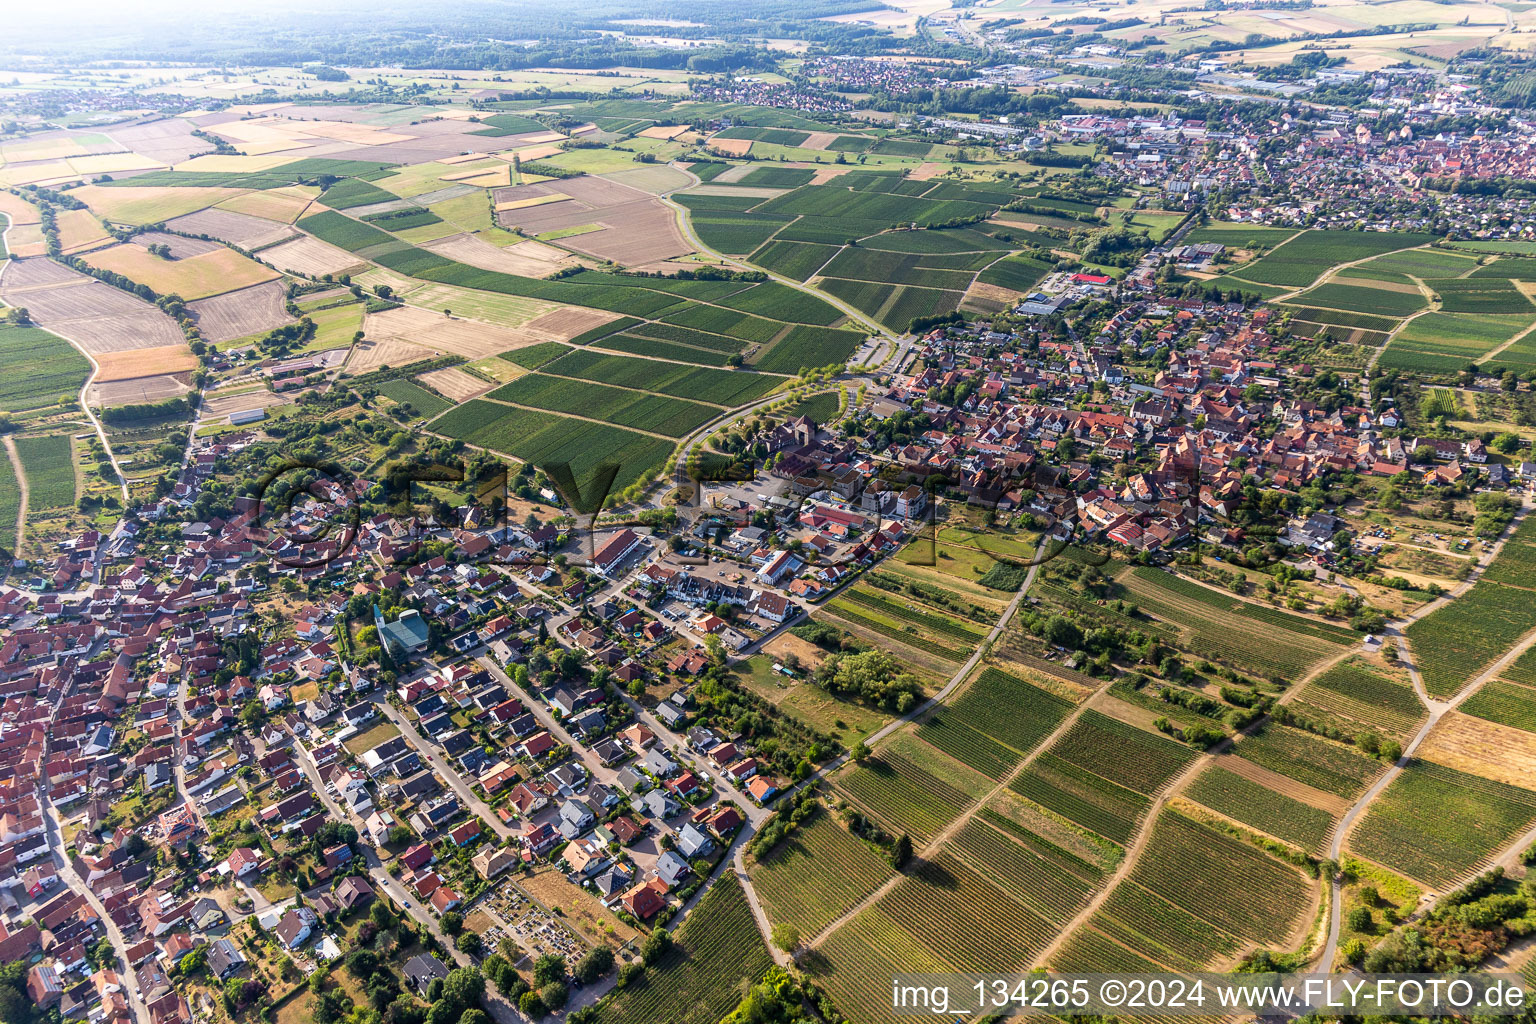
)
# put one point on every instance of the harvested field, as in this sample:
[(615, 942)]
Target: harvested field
[(736, 190), (569, 322), (311, 257), (95, 316), (731, 147), (426, 329), (371, 355), (217, 406), (18, 210), (239, 313), (235, 228), (144, 362), (192, 277), (1480, 747), (633, 226), (284, 205), (526, 259), (455, 384), (137, 391), (927, 171), (667, 132), (80, 230)]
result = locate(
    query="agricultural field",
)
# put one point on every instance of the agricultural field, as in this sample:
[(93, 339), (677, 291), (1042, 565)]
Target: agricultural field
[(1100, 773), (717, 387), (1507, 703), (1454, 642), (546, 439), (1313, 761), (1480, 295), (1224, 628), (809, 878), (48, 463), (424, 402), (903, 795), (1365, 296), (717, 949), (37, 370), (1359, 694), (672, 417), (1303, 259), (1441, 342), (1436, 825), (1262, 809), (997, 720)]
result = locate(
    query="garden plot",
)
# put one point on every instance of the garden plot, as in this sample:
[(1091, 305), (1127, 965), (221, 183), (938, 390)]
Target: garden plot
[(239, 313), (95, 316), (633, 226), (311, 257), (235, 228), (526, 259)]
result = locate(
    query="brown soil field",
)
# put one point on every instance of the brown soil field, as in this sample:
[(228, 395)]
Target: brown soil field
[(284, 205), (216, 406), (95, 316), (370, 355), (192, 277), (826, 174), (927, 171), (310, 256), (785, 644), (144, 362), (239, 313), (1479, 747), (18, 210), (731, 147), (565, 323), (235, 228), (996, 293), (530, 153), (1285, 786), (426, 329), (520, 204), (668, 132), (138, 390), (732, 174), (462, 158), (26, 241), (636, 226), (456, 385), (181, 248), (818, 140), (526, 259), (736, 190)]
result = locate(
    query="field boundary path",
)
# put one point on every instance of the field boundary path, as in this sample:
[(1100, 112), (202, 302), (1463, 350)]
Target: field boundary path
[(26, 492)]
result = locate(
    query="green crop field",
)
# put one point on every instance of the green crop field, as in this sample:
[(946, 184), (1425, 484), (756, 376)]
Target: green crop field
[(423, 401), (1221, 880), (1423, 263), (37, 369), (1480, 295), (898, 147), (49, 466), (547, 439), (860, 264), (1052, 891), (636, 345), (689, 336), (735, 233), (343, 232), (944, 240), (1224, 628), (1262, 809), (623, 323), (798, 260), (781, 302), (1505, 703), (875, 207), (1322, 764), (350, 192), (769, 176), (903, 796), (1447, 342), (810, 877), (1162, 931), (718, 387), (1360, 298), (1452, 643), (773, 136), (737, 324), (10, 504), (995, 722), (1356, 693), (1304, 258), (535, 356), (656, 414), (403, 220), (1083, 798), (1436, 824), (717, 951), (806, 346), (1018, 273)]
